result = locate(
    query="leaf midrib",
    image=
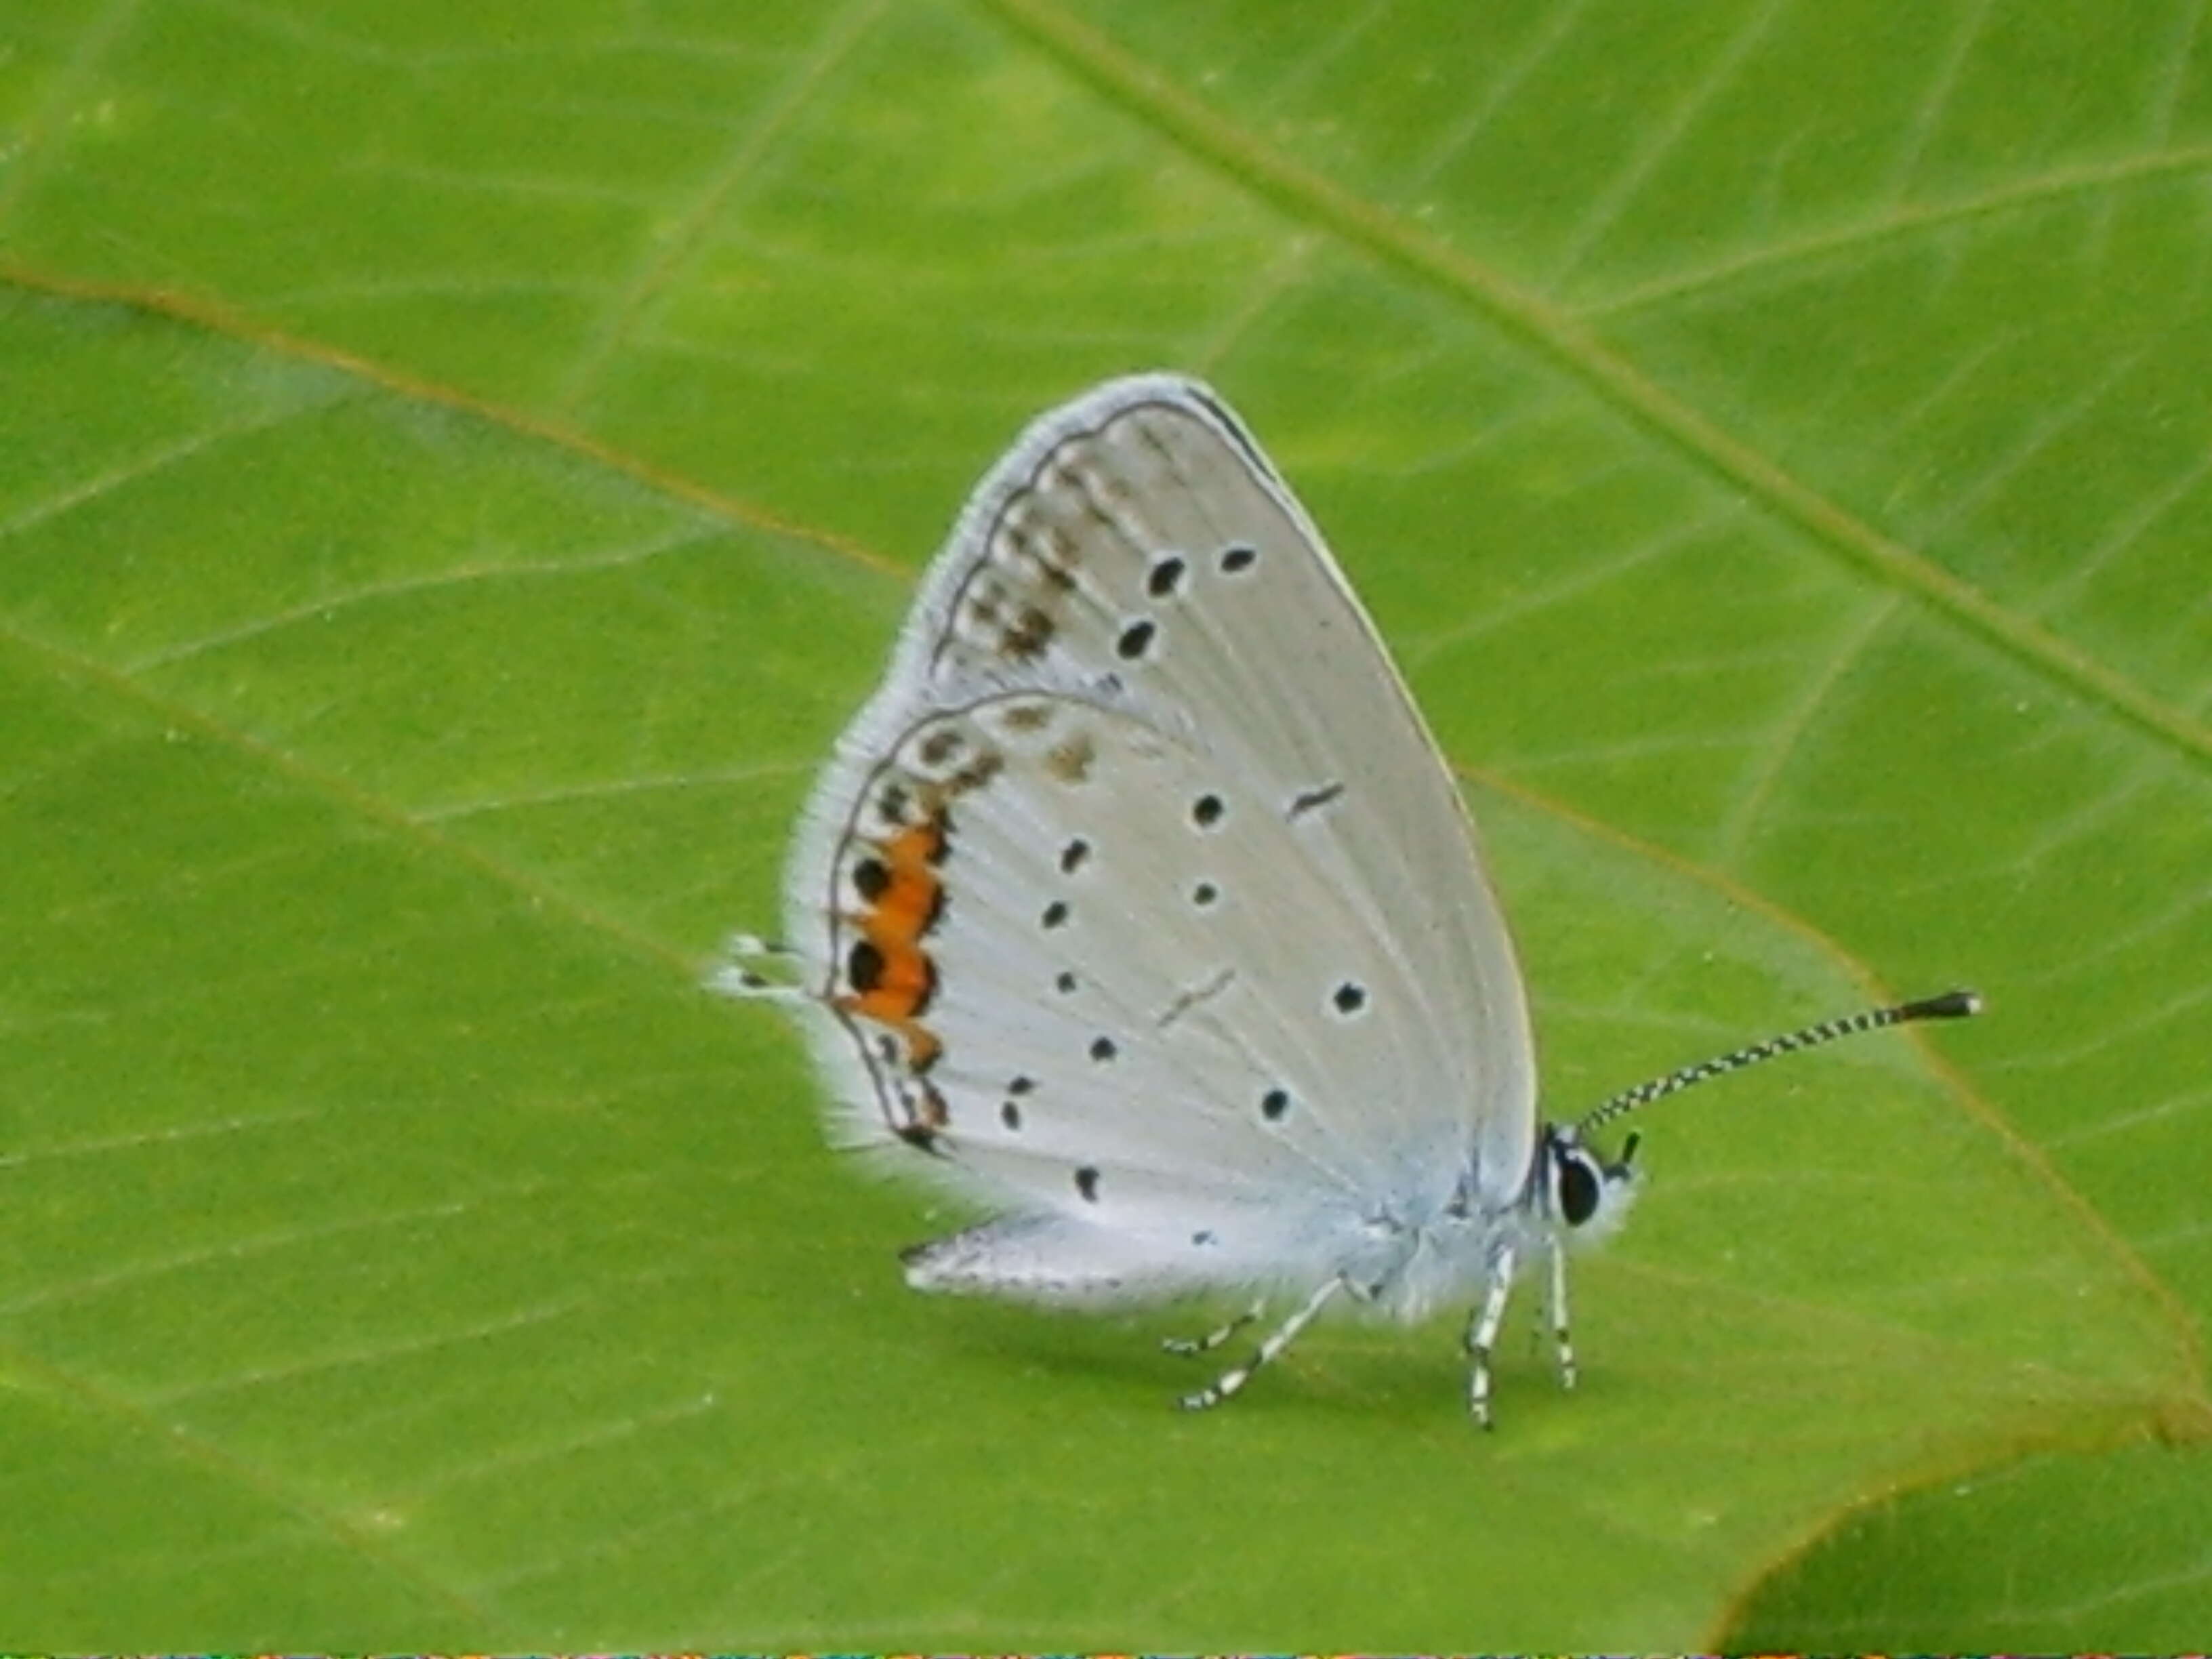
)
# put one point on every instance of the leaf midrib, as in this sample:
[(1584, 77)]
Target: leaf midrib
[(1562, 338)]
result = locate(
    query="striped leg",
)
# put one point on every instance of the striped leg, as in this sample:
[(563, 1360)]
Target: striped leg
[(1559, 1313), (1191, 1347), (1230, 1381), (1482, 1335)]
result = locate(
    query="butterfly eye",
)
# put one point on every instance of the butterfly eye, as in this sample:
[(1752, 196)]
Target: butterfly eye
[(1579, 1187)]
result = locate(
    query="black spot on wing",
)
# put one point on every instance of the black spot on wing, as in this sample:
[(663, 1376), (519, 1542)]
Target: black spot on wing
[(1312, 800), (863, 967)]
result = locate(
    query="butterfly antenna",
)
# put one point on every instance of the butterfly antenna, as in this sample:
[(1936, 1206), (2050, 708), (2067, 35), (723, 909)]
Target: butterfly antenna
[(1952, 1004)]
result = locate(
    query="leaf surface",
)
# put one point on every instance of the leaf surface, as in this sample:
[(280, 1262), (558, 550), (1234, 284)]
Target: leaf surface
[(459, 467)]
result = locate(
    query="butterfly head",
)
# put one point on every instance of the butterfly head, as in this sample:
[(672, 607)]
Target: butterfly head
[(1584, 1193)]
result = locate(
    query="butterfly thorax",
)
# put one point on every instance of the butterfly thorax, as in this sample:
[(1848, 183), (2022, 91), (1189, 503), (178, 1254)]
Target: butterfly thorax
[(1412, 1270), (1413, 1264)]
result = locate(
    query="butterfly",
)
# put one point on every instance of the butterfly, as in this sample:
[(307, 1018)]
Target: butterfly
[(1139, 907)]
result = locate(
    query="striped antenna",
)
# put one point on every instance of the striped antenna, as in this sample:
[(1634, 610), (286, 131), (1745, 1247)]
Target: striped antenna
[(1952, 1004)]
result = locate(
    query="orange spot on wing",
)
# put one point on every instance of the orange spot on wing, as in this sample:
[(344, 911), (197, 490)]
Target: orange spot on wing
[(894, 923), (908, 902), (922, 1047)]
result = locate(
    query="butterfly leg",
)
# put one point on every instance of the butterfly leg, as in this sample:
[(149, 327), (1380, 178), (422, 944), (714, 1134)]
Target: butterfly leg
[(1559, 1313), (1276, 1340), (1482, 1335), (1193, 1345)]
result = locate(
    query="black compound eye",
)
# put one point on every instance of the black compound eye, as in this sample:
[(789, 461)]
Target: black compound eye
[(1579, 1187)]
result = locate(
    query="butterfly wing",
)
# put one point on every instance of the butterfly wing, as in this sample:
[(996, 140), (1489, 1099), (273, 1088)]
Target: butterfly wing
[(1138, 896)]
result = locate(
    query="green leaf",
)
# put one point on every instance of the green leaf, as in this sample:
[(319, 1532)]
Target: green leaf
[(2089, 1545), (459, 467)]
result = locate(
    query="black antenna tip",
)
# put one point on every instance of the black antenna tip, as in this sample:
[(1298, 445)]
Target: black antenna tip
[(1952, 1004)]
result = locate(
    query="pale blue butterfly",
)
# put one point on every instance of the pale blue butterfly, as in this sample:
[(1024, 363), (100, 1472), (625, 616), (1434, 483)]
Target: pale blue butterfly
[(1138, 906)]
